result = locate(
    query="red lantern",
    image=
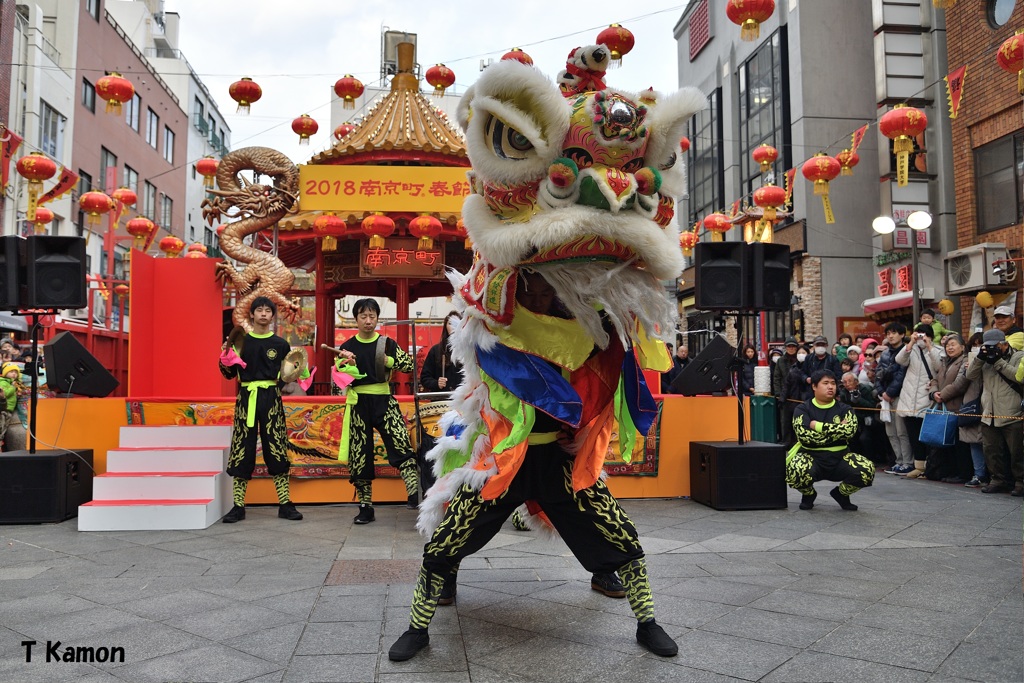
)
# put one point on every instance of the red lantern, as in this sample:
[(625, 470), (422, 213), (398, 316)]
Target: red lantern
[(245, 92), (35, 168), (348, 88), (822, 169), (329, 227), (518, 55), (197, 246), (43, 216), (194, 254), (342, 130), (619, 42), (688, 240), (717, 224), (749, 15), (770, 198), (304, 126), (427, 228), (125, 195), (847, 160), (684, 144), (171, 246), (121, 289), (901, 125), (140, 228), (116, 90), (441, 77), (766, 156), (1011, 57), (207, 167), (95, 204), (463, 234), (378, 226)]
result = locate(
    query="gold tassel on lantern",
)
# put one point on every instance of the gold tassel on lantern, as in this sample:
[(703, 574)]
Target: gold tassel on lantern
[(330, 243), (750, 30), (902, 146), (425, 243), (376, 242), (34, 186)]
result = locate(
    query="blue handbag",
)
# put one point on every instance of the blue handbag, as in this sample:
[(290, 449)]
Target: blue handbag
[(939, 428)]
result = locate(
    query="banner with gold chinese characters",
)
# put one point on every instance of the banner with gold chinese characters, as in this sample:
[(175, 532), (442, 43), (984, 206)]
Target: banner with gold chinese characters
[(356, 189)]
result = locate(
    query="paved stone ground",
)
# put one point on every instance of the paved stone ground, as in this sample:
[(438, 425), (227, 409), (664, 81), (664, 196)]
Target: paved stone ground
[(924, 583)]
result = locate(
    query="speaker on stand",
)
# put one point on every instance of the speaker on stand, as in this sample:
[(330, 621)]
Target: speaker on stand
[(10, 261), (54, 272), (722, 276), (70, 368)]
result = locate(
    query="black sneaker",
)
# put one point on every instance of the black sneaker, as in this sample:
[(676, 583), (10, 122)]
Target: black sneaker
[(235, 514), (449, 590), (414, 501), (653, 637), (844, 501), (409, 643), (288, 511), (807, 502), (608, 584), (365, 516)]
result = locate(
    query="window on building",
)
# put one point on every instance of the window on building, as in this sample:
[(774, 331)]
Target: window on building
[(764, 92), (51, 130), (108, 170), (88, 95), (166, 211), (84, 182), (705, 169), (131, 111), (131, 178), (168, 145), (999, 12), (152, 127), (198, 110), (999, 173), (93, 8), (149, 201)]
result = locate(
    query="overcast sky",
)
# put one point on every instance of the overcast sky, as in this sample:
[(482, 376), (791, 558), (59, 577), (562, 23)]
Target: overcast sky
[(297, 49)]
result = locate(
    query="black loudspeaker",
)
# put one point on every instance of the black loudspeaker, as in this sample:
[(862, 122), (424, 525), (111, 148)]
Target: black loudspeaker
[(10, 248), (54, 272), (47, 486), (728, 476), (771, 271), (721, 282), (70, 369), (708, 372)]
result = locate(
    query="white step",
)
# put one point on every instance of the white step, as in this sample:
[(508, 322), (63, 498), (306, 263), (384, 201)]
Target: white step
[(169, 436), (181, 459), (159, 485), (147, 515)]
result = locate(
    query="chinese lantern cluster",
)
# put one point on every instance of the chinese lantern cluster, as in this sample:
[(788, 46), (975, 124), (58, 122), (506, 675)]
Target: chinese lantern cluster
[(847, 160), (688, 240), (35, 168), (378, 226), (171, 246), (717, 224), (329, 227), (901, 125), (427, 228), (765, 155), (821, 169), (95, 204), (140, 228), (770, 198)]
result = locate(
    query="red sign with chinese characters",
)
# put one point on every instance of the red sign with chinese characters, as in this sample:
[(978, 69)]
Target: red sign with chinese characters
[(905, 278), (401, 258), (885, 278)]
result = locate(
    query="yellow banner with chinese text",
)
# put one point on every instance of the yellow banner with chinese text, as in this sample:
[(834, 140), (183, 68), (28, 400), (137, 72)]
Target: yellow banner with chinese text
[(353, 189)]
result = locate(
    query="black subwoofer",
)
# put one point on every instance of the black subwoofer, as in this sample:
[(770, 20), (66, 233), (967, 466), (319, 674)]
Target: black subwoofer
[(46, 486), (728, 476)]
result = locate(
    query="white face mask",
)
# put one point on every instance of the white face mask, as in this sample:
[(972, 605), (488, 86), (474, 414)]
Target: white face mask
[(801, 356), (820, 350)]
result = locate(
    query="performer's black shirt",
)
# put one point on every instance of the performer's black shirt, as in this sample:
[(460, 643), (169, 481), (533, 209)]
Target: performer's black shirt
[(366, 359), (838, 424), (263, 356)]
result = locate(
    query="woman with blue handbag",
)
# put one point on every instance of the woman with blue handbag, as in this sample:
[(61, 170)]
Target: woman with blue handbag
[(952, 464), (921, 358)]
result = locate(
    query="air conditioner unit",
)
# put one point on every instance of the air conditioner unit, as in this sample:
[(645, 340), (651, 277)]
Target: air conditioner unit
[(970, 270)]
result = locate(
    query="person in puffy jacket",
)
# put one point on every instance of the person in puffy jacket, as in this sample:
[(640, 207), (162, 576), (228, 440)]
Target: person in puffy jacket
[(888, 383), (922, 359)]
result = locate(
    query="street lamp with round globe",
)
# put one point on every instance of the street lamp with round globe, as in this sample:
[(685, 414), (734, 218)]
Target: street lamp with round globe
[(919, 220), (883, 225)]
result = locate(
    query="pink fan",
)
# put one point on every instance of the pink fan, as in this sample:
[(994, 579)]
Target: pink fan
[(228, 357)]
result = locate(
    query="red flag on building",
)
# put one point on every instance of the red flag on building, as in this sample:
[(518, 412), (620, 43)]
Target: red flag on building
[(790, 175), (955, 89), (11, 141), (65, 183), (858, 137)]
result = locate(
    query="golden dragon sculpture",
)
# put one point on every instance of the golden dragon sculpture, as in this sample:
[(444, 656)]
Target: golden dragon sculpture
[(257, 207)]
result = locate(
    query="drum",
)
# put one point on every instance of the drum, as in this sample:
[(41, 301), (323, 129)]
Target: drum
[(430, 417)]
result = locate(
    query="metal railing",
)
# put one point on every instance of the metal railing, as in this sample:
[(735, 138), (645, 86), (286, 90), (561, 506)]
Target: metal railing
[(49, 50)]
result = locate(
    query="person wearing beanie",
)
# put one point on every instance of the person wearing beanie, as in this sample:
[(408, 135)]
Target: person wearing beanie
[(10, 376), (853, 355)]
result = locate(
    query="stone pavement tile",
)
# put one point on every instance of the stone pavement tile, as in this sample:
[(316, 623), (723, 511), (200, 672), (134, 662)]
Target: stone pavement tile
[(920, 620), (739, 543), (567, 573), (349, 608), (340, 638), (172, 604), (493, 576), (824, 540), (543, 659), (1011, 608), (272, 677), (365, 553), (826, 607), (984, 662), (671, 609), (142, 641), (397, 594), (446, 653), (653, 669), (655, 545), (81, 627), (535, 615), (258, 586), (482, 674), (233, 551), (580, 594), (363, 589), (144, 556), (776, 531), (843, 586), (676, 533), (300, 603), (481, 638), (612, 631), (210, 663), (153, 537), (731, 656), (283, 563), (729, 566), (771, 581), (713, 589), (275, 644), (112, 591), (674, 565), (445, 621), (998, 633), (521, 587), (13, 552), (961, 600), (16, 670), (192, 544), (476, 597), (22, 571), (996, 536), (771, 627), (710, 527), (34, 607), (228, 622), (529, 562), (813, 667), (938, 533), (427, 677), (883, 646), (78, 544)]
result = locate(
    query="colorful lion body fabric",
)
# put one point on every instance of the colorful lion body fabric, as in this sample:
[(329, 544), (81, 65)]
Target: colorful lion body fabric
[(579, 187)]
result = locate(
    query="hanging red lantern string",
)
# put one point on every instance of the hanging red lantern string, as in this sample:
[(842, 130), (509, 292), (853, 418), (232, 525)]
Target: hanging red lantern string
[(171, 246), (121, 289), (95, 204), (378, 226), (765, 155), (245, 92), (518, 55), (342, 130), (197, 246), (618, 40), (901, 125), (43, 216), (1011, 57), (441, 77), (688, 240), (749, 15), (140, 228), (115, 90), (847, 160), (330, 228), (770, 198), (207, 167), (427, 228), (717, 224), (304, 126), (348, 88), (35, 168), (822, 169)]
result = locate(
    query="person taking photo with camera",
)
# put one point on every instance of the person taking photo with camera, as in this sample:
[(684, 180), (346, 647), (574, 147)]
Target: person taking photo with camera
[(1002, 431)]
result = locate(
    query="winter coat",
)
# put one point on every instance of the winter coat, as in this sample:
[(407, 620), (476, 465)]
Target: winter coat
[(972, 390), (796, 384), (779, 375), (889, 374), (436, 366), (919, 383), (747, 376), (999, 401)]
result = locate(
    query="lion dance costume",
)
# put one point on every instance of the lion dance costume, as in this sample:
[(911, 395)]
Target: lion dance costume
[(577, 187)]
